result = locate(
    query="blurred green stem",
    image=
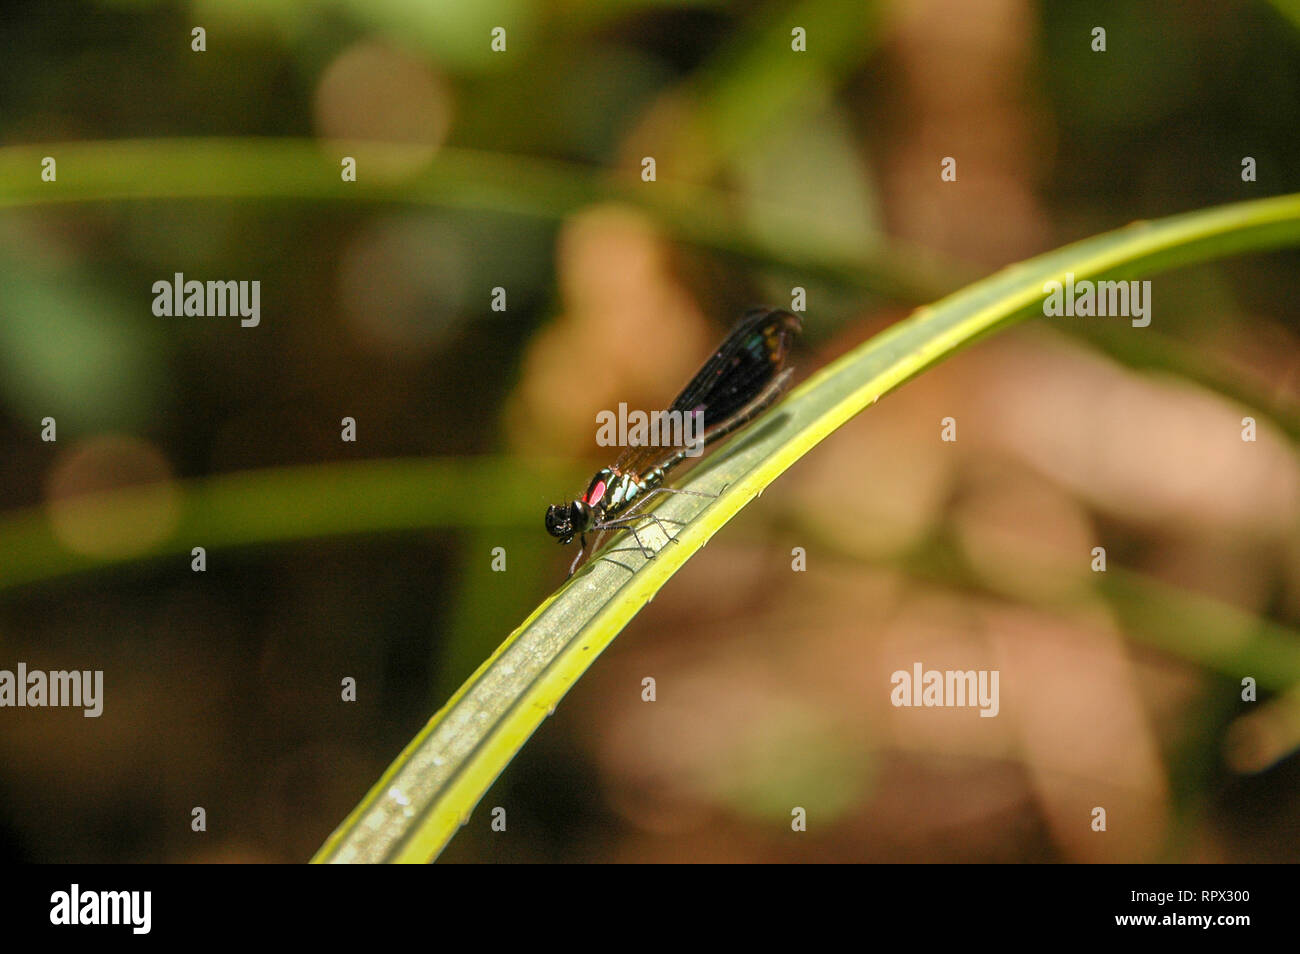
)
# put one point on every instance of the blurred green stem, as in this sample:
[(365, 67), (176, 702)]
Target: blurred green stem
[(285, 504), (307, 169)]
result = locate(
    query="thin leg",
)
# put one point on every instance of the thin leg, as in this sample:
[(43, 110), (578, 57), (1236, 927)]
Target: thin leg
[(670, 537), (677, 490), (629, 516), (659, 522), (582, 548), (596, 546), (667, 490), (630, 513), (645, 550), (606, 554), (615, 526), (625, 523), (620, 523)]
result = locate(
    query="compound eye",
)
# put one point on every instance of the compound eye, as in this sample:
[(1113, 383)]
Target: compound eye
[(559, 522), (579, 517)]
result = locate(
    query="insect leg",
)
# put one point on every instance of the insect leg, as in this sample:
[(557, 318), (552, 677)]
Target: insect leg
[(645, 550), (625, 523), (582, 548)]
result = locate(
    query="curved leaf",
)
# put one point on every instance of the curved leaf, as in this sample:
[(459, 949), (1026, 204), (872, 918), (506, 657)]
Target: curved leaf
[(429, 791)]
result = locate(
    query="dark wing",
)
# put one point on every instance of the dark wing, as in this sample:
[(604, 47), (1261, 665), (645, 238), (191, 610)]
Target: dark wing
[(742, 376)]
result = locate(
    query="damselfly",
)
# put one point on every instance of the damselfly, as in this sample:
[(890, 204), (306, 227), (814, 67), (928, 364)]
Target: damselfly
[(743, 378)]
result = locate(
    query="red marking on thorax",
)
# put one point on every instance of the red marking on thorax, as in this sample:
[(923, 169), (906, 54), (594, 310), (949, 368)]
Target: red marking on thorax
[(595, 494)]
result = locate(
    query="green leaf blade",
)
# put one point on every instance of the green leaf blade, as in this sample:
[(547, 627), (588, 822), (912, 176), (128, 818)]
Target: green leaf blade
[(430, 790)]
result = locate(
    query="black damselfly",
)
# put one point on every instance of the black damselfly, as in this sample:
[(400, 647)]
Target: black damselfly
[(742, 379)]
